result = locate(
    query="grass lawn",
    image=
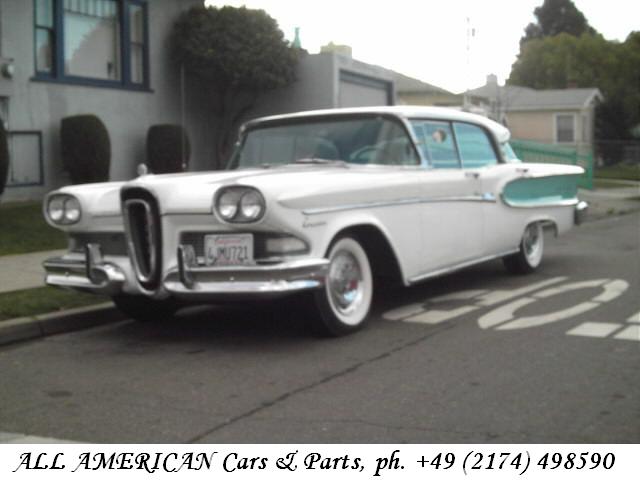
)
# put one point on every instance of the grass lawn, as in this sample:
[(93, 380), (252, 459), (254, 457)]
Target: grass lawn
[(619, 172), (26, 303), (23, 230)]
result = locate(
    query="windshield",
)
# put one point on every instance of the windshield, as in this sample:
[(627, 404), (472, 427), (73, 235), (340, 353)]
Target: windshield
[(370, 140)]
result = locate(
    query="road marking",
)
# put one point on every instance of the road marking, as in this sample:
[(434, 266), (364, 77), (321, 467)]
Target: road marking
[(428, 313), (499, 296), (21, 438), (433, 316), (594, 329), (635, 318), (403, 312), (434, 310), (504, 316), (632, 332)]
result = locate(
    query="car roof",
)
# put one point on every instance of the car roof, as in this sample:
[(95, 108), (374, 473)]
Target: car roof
[(402, 111)]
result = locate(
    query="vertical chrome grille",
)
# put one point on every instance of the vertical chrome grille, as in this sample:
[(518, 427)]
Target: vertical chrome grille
[(142, 227)]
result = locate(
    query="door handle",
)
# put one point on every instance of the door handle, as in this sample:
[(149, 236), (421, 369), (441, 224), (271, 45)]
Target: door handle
[(472, 174)]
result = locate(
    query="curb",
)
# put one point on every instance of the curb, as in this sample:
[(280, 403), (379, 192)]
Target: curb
[(28, 328)]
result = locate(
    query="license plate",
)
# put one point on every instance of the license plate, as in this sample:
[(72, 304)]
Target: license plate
[(221, 250)]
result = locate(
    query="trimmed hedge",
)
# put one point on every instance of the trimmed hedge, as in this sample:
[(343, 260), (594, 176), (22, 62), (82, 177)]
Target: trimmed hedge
[(86, 148), (165, 149), (4, 157)]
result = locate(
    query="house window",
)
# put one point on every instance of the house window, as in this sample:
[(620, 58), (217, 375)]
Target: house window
[(94, 42), (565, 128), (44, 36)]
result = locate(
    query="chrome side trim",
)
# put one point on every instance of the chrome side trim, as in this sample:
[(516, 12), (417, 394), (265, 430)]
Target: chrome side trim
[(560, 203), (486, 197), (459, 266)]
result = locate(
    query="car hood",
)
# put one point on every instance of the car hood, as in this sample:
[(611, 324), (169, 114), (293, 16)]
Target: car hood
[(293, 186)]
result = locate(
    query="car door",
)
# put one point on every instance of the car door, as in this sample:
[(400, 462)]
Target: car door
[(480, 159), (451, 216)]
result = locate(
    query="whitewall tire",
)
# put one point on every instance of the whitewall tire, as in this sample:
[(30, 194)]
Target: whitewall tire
[(345, 300), (529, 256)]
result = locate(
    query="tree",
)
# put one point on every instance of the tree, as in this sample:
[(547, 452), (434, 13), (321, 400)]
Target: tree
[(588, 61), (239, 53), (555, 17)]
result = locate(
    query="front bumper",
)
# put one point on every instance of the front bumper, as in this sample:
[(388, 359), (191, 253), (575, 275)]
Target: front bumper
[(190, 281)]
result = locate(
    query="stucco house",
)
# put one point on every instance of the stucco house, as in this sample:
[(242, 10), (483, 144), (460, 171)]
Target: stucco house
[(105, 57), (330, 79), (555, 116), (411, 91)]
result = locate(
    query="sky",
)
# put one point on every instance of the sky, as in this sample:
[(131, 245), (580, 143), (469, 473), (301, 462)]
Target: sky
[(427, 39)]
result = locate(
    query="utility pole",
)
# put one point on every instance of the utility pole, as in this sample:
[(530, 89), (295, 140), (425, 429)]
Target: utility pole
[(466, 103)]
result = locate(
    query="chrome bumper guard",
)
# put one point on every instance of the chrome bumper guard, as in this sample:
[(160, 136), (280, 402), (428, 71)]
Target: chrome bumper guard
[(191, 281), (580, 212), (91, 274)]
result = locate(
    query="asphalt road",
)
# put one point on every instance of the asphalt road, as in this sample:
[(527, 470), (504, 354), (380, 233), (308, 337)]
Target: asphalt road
[(479, 356)]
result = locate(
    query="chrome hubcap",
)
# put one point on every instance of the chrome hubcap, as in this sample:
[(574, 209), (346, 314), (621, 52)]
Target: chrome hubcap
[(531, 241), (345, 282)]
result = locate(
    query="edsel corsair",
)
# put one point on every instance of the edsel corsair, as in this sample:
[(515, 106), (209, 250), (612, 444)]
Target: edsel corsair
[(331, 204)]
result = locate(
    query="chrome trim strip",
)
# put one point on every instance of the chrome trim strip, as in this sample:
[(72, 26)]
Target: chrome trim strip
[(560, 203), (106, 278), (257, 281), (459, 266), (486, 197), (133, 251)]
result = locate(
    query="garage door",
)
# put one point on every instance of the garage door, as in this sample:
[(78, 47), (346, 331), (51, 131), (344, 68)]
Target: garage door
[(363, 91)]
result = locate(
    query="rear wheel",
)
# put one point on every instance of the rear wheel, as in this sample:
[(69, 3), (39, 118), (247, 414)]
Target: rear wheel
[(344, 302), (145, 309), (529, 255)]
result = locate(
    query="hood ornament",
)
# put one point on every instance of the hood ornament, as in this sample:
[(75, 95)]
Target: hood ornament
[(142, 170)]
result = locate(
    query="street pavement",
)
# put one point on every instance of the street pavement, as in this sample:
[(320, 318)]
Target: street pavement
[(477, 356)]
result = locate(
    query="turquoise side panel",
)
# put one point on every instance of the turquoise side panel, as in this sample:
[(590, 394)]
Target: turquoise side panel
[(529, 192)]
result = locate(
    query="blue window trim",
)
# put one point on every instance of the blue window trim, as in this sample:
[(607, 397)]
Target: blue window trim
[(57, 74)]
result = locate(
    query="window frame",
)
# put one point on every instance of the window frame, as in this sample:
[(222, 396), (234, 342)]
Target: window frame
[(492, 140), (555, 128), (57, 73)]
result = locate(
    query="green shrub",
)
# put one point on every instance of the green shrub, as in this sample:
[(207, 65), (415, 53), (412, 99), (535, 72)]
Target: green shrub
[(4, 157), (165, 144), (86, 149)]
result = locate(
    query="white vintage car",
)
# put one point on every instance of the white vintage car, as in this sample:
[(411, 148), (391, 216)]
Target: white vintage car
[(332, 203)]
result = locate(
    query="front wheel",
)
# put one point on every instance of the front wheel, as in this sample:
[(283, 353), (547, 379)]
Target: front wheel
[(529, 255), (145, 309), (345, 300)]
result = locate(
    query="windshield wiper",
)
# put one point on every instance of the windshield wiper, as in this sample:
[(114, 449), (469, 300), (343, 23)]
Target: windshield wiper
[(318, 161)]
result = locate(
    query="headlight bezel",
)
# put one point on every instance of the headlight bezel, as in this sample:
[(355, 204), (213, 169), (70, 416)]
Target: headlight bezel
[(65, 204), (239, 213)]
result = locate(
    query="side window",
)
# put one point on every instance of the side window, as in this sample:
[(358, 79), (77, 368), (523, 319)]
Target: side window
[(436, 142), (475, 147)]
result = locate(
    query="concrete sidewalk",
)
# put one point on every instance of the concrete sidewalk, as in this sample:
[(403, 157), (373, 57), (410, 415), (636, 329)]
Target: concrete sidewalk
[(612, 201), (19, 272)]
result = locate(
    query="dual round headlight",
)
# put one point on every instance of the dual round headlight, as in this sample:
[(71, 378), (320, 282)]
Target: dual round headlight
[(240, 204), (63, 209)]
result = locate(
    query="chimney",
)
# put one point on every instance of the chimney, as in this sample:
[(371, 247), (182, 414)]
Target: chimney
[(492, 80)]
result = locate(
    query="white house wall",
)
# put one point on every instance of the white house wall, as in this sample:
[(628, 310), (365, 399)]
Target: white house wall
[(127, 114)]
